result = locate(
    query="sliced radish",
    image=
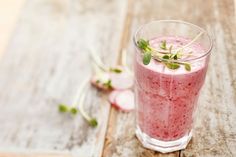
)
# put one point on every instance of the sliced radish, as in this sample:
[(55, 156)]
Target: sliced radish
[(124, 100), (122, 80), (96, 84), (101, 79), (112, 96)]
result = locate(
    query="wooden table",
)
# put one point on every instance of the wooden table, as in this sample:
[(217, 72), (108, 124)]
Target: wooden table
[(47, 57)]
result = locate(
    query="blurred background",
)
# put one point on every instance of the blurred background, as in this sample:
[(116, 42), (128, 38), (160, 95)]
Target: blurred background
[(9, 14)]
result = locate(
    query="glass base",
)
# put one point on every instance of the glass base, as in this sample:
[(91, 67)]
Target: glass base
[(163, 146)]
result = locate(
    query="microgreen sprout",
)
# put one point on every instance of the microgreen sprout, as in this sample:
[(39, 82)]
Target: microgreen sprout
[(115, 70), (163, 45), (91, 120), (108, 84), (63, 108), (101, 67), (168, 56), (79, 100), (73, 110)]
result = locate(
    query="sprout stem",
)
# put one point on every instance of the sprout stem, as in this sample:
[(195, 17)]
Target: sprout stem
[(79, 91), (190, 43), (179, 49), (81, 94), (98, 61), (81, 109)]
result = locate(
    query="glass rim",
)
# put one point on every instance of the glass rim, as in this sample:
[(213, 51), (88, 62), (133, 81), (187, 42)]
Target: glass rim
[(207, 52)]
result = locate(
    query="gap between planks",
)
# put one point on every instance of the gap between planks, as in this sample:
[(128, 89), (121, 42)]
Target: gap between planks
[(123, 44)]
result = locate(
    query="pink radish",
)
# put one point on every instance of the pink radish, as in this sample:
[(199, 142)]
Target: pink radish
[(101, 81), (96, 84), (123, 80), (112, 96), (124, 100)]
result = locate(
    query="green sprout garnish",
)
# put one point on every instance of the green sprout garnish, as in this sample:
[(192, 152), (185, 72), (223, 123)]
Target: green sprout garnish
[(187, 67), (172, 65), (108, 84), (163, 45), (66, 108), (147, 58), (169, 59), (93, 122), (72, 109), (115, 70), (63, 108), (144, 45)]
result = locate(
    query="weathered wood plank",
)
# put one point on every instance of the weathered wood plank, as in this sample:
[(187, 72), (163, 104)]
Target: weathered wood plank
[(45, 63), (215, 129)]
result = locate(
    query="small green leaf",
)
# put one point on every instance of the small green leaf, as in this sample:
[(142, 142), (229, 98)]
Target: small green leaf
[(63, 108), (93, 122), (175, 56), (147, 58), (166, 57), (73, 110), (187, 66), (163, 45), (115, 70), (97, 81), (172, 65), (108, 84), (144, 45)]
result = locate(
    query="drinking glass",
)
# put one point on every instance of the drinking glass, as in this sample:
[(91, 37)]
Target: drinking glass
[(166, 99)]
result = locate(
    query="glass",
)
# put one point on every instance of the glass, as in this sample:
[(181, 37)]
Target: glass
[(166, 99)]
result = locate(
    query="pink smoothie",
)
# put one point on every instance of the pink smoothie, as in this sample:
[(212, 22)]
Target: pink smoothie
[(165, 98)]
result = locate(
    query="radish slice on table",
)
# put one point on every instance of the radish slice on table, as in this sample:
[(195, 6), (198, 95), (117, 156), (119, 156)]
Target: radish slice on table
[(122, 80), (112, 96), (96, 84), (124, 100), (102, 81)]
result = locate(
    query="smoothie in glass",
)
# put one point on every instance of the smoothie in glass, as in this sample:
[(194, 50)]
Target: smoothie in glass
[(166, 98)]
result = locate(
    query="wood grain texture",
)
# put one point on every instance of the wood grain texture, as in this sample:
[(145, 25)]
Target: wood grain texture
[(215, 128), (44, 64)]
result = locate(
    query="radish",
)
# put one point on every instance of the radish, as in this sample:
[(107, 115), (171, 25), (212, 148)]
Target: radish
[(122, 100), (117, 78), (112, 96), (122, 80), (102, 81)]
